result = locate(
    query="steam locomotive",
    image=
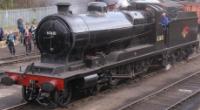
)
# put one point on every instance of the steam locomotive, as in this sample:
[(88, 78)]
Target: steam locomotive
[(88, 51)]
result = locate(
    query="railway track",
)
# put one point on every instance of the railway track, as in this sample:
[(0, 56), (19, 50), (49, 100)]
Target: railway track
[(179, 104), (16, 107), (18, 59), (169, 97), (17, 56)]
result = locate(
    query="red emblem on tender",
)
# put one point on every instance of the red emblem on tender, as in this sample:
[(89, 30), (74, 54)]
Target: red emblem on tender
[(185, 31)]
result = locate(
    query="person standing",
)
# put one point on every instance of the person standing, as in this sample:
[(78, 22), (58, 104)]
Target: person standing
[(32, 30), (28, 41), (20, 26), (164, 21), (1, 33), (11, 42)]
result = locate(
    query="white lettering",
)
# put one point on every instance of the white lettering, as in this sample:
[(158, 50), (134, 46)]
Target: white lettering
[(51, 33)]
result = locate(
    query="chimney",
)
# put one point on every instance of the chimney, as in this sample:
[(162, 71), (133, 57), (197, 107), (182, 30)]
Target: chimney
[(63, 8)]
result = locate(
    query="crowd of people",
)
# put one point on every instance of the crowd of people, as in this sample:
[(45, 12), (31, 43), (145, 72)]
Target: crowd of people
[(26, 36)]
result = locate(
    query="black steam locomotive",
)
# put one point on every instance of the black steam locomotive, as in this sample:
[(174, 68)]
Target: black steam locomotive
[(85, 52)]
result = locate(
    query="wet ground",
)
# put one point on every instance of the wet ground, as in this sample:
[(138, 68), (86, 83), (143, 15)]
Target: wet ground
[(20, 49), (10, 96)]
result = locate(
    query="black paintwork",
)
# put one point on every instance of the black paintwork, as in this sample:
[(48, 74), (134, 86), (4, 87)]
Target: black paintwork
[(77, 35), (91, 50), (122, 37)]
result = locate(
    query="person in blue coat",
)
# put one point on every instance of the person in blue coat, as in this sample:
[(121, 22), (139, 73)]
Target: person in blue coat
[(164, 21), (10, 42)]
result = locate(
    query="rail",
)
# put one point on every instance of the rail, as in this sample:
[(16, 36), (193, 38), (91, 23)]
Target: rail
[(18, 59), (168, 97), (15, 107)]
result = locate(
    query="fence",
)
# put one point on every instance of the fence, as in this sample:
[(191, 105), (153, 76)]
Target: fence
[(9, 17)]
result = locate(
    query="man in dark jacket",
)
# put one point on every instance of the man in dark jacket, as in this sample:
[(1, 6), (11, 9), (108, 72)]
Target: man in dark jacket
[(20, 26)]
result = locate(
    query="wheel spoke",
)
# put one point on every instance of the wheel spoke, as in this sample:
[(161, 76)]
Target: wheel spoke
[(63, 98), (28, 94)]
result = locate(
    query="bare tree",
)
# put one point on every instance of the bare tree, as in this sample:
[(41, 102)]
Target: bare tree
[(5, 4)]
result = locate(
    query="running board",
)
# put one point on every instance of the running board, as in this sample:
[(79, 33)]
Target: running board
[(123, 76), (127, 76)]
